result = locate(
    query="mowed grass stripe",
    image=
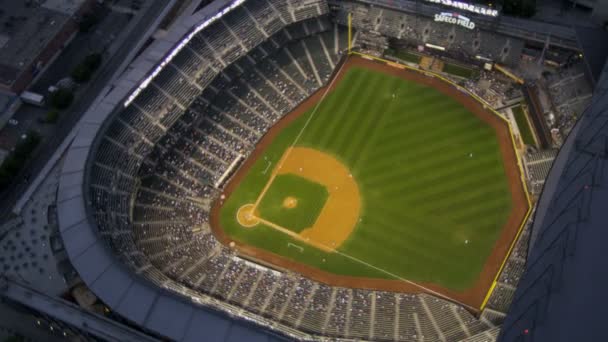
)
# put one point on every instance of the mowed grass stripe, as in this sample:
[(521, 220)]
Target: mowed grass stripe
[(346, 139), (408, 235), (429, 195), (461, 203), (378, 253), (417, 129), (320, 133), (416, 159), (459, 146), (415, 96), (413, 229), (344, 132), (375, 136), (459, 195), (459, 143), (441, 181), (317, 130), (379, 249), (412, 120), (377, 109), (413, 136)]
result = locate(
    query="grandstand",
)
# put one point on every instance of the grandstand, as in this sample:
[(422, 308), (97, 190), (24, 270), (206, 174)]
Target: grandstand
[(537, 166), (570, 94), (145, 183), (418, 30)]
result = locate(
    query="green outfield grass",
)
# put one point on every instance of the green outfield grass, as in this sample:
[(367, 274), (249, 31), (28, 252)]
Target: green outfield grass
[(404, 55), (524, 126), (432, 180), (310, 198)]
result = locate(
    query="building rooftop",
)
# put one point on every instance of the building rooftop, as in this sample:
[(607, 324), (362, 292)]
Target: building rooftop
[(26, 28)]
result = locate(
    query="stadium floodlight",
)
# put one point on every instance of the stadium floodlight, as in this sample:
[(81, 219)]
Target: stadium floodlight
[(436, 47), (467, 7), (179, 47)]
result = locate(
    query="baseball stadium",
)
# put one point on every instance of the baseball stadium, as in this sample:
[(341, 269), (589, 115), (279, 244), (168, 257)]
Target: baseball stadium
[(315, 170)]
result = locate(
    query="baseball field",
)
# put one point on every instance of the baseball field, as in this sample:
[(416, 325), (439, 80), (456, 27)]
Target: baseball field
[(378, 176)]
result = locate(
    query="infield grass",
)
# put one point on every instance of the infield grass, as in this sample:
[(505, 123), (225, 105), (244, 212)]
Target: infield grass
[(432, 180), (309, 196)]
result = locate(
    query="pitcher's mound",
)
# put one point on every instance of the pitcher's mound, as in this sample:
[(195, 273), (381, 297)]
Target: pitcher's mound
[(290, 202)]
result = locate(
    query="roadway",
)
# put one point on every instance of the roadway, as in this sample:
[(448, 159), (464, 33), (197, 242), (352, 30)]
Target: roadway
[(81, 103)]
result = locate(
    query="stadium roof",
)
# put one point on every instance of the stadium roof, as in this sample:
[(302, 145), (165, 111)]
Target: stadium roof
[(562, 295), (128, 294)]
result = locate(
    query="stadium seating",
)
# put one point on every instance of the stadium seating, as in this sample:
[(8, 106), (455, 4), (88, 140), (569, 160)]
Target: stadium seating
[(537, 166), (155, 170), (417, 30)]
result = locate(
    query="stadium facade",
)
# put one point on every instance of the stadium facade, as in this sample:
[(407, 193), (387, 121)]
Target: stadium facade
[(125, 178), (561, 294)]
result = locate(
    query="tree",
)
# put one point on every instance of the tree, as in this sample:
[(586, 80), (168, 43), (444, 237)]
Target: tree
[(93, 61), (15, 161), (81, 73), (52, 116), (87, 22), (61, 99)]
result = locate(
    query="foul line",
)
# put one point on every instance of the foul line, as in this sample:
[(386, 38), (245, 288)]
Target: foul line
[(328, 248), (295, 141), (270, 180), (438, 294)]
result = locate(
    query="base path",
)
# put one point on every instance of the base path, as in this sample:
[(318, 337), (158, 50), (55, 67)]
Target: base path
[(473, 297)]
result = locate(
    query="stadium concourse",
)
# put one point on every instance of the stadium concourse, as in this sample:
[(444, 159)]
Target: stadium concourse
[(139, 179)]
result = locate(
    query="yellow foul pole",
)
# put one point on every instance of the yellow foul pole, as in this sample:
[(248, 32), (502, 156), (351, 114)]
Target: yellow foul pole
[(350, 32)]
